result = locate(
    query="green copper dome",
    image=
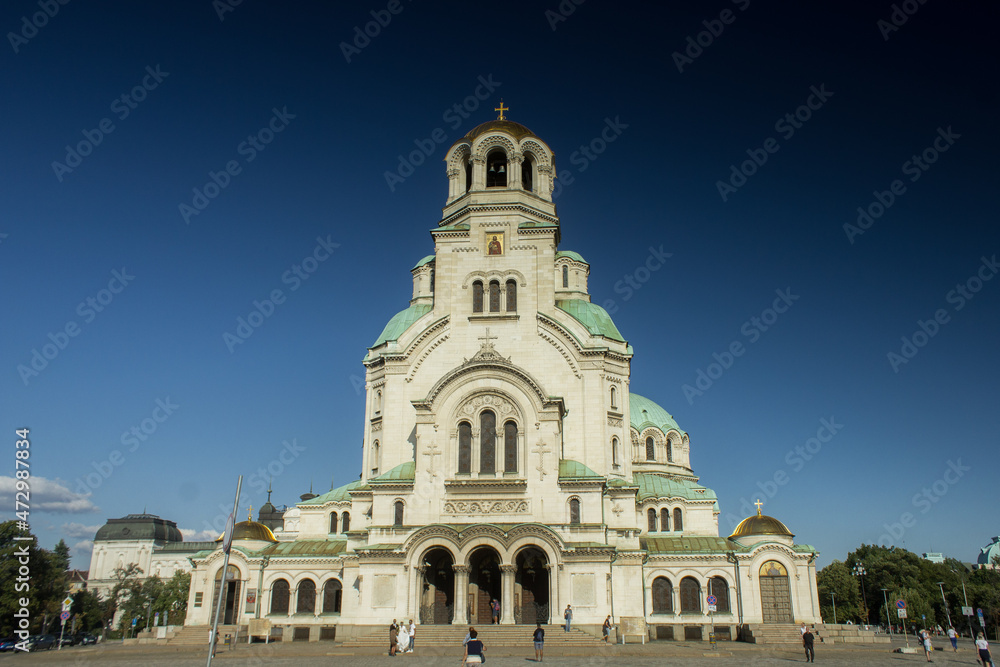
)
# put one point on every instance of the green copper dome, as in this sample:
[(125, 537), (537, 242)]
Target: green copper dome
[(139, 527), (644, 413)]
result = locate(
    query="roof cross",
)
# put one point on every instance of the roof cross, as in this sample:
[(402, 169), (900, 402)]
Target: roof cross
[(501, 109), (488, 338), (759, 505)]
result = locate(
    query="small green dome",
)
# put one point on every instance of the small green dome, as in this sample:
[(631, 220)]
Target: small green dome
[(644, 413)]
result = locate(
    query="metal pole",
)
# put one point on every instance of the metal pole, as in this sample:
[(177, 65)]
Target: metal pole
[(948, 613), (887, 618), (222, 580), (833, 596), (859, 569)]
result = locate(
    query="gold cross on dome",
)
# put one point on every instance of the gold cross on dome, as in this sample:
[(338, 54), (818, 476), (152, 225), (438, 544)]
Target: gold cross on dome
[(759, 505), (501, 109), (250, 513)]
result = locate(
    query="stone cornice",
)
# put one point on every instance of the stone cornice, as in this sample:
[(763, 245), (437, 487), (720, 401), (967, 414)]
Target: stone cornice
[(485, 485)]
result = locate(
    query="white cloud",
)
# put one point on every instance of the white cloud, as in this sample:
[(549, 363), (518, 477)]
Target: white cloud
[(47, 495), (192, 535), (83, 547), (79, 530)]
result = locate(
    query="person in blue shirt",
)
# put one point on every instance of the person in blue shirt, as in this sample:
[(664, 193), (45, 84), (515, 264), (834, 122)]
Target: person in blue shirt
[(474, 650)]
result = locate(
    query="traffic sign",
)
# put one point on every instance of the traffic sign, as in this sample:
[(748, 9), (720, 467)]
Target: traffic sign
[(900, 604), (982, 622), (68, 601), (227, 538), (901, 612), (711, 607), (966, 611), (134, 621), (64, 616), (712, 599)]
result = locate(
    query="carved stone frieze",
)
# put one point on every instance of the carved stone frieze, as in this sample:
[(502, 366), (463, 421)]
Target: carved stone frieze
[(476, 507)]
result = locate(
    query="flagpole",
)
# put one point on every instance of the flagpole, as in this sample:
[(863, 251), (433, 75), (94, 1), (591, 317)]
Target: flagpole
[(227, 540)]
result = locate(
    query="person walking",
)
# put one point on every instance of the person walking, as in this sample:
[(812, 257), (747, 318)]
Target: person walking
[(953, 636), (538, 637), (495, 607), (925, 639), (568, 617), (984, 651), (474, 650), (413, 635), (393, 630), (808, 641), (606, 629)]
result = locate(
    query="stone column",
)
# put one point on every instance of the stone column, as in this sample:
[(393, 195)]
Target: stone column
[(420, 573), (555, 608), (461, 616), (507, 594)]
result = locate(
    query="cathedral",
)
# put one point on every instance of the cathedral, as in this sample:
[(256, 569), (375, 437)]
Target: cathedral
[(505, 458)]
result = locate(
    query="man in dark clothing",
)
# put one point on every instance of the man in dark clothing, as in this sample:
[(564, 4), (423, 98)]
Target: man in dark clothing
[(807, 642)]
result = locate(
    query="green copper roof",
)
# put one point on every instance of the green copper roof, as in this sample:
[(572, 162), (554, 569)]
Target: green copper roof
[(402, 321), (139, 527), (690, 545), (660, 486), (425, 260), (403, 472), (592, 316), (572, 255), (617, 482), (569, 469), (305, 548), (342, 494), (644, 413)]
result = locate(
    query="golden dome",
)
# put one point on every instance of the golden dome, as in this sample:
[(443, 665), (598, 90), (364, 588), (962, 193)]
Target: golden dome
[(251, 530), (761, 524)]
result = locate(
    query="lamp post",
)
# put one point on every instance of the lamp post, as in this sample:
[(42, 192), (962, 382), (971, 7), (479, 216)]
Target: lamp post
[(966, 599), (888, 620), (833, 596), (859, 570), (948, 613), (260, 584)]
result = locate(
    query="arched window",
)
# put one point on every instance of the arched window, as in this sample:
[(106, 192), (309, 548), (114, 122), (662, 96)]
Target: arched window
[(565, 275), (332, 596), (615, 453), (279, 597), (333, 522), (664, 519), (510, 447), (397, 519), (718, 587), (376, 453), (465, 447), (496, 169), (468, 176), (650, 449), (378, 402), (305, 600), (663, 596), (487, 442), (670, 451), (690, 595), (432, 281), (652, 520), (574, 510), (614, 397), (345, 522), (678, 519), (511, 296), (494, 296), (527, 172), (477, 297)]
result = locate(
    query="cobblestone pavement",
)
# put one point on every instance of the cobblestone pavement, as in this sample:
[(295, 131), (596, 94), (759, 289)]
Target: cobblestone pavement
[(655, 653)]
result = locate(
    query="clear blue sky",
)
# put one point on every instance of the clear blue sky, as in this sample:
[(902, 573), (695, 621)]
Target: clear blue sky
[(335, 119)]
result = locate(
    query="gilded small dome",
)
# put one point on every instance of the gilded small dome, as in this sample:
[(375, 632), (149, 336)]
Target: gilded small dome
[(516, 130), (760, 524), (251, 530)]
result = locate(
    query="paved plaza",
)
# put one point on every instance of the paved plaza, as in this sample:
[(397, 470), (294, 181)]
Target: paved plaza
[(654, 653)]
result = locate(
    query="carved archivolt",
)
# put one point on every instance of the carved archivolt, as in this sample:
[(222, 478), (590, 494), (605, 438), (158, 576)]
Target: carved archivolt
[(424, 355), (501, 276), (459, 156), (498, 403), (471, 507), (541, 155), (544, 335), (484, 144)]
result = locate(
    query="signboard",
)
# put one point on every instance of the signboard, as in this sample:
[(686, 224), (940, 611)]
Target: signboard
[(982, 623), (64, 616), (712, 599), (966, 611), (901, 612), (900, 604), (632, 625), (134, 621), (67, 602), (227, 538), (711, 607)]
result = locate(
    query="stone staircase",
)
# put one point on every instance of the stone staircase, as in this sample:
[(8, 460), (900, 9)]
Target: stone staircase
[(197, 635), (829, 633), (773, 634), (491, 635)]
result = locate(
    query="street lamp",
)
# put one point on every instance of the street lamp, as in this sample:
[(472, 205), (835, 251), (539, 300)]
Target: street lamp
[(941, 586), (888, 620), (859, 570), (833, 596), (966, 599)]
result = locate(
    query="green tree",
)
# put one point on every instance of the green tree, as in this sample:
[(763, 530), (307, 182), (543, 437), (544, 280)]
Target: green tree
[(126, 593), (44, 587), (61, 554), (837, 580), (89, 611)]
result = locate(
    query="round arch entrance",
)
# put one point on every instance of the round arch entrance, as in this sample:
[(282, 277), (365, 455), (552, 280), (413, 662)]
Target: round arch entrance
[(437, 596), (484, 584), (531, 587), (231, 590), (775, 593)]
